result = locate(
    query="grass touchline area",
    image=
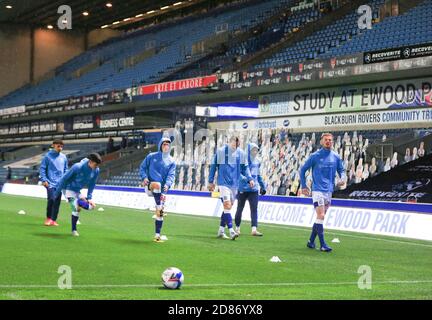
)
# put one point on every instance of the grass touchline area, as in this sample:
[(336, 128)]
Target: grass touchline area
[(115, 258)]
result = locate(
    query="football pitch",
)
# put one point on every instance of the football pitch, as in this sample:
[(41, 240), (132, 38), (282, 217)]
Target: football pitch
[(115, 258)]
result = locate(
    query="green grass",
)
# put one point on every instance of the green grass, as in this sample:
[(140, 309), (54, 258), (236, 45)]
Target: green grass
[(116, 255)]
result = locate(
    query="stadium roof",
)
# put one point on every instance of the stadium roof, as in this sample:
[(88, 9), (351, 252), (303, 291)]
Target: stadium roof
[(126, 12)]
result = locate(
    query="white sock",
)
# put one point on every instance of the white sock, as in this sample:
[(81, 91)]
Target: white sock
[(231, 230), (254, 229), (221, 230), (157, 235)]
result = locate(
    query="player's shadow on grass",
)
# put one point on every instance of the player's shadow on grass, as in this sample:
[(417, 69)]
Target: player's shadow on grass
[(140, 242), (209, 237), (52, 235), (36, 225)]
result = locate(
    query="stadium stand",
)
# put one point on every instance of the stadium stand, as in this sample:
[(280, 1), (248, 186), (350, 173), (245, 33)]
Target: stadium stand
[(282, 154), (151, 54), (24, 162), (331, 37), (138, 57), (289, 20), (409, 180), (342, 37), (408, 29)]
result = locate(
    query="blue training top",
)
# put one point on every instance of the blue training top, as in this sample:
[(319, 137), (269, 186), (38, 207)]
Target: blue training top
[(231, 164), (53, 167), (79, 175), (254, 167), (324, 163), (159, 167)]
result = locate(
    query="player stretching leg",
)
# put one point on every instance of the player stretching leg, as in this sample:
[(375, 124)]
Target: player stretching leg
[(81, 174), (230, 162), (158, 172), (325, 163), (248, 193)]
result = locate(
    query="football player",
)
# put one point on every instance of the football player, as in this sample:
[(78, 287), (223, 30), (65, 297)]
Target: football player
[(158, 172), (230, 163), (246, 192), (80, 174), (325, 163), (53, 166)]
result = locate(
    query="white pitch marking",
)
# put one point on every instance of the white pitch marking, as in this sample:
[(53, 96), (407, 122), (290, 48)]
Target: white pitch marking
[(96, 286)]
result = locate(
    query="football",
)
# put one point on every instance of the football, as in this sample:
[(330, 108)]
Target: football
[(172, 278)]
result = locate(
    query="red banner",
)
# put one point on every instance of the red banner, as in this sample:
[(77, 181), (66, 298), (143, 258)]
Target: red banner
[(184, 84)]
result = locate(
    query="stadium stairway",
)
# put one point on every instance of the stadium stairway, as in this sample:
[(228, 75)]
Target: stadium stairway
[(220, 56), (266, 56), (246, 44)]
